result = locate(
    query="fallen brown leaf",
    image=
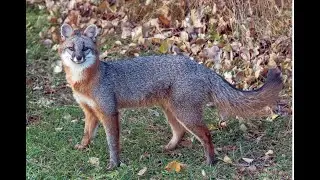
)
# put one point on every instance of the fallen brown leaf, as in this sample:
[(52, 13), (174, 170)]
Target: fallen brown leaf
[(174, 166), (165, 21), (248, 160), (142, 171), (226, 159), (94, 161), (269, 152)]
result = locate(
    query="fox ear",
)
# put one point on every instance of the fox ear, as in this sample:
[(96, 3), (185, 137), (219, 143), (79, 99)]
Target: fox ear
[(66, 30), (91, 31)]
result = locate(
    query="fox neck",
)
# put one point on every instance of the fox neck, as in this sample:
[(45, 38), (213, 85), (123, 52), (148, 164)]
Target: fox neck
[(82, 79)]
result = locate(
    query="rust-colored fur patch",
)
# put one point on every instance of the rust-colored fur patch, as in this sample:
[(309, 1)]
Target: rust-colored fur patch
[(87, 82)]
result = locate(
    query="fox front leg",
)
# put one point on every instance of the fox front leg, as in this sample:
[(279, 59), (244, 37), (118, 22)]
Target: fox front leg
[(90, 127), (111, 126)]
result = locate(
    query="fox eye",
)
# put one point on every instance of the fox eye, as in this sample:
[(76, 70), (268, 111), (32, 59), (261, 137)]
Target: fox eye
[(84, 48), (71, 48)]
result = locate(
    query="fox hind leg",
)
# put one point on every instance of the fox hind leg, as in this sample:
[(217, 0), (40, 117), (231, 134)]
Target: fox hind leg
[(178, 130), (190, 117)]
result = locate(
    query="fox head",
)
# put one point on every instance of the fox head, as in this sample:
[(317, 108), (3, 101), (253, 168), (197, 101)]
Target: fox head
[(78, 50)]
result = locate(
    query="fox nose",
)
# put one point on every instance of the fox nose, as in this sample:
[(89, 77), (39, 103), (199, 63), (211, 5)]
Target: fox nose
[(79, 58)]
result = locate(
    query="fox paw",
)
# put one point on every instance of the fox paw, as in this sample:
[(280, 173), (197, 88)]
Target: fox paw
[(210, 162), (80, 147), (169, 147), (173, 143), (112, 166)]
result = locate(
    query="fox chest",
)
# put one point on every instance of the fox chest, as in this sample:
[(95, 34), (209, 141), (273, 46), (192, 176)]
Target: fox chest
[(80, 98)]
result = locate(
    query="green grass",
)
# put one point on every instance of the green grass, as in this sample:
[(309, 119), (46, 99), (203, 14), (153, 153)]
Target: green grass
[(50, 153)]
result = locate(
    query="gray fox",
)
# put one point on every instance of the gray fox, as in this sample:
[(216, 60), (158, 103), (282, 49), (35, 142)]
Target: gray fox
[(175, 83)]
